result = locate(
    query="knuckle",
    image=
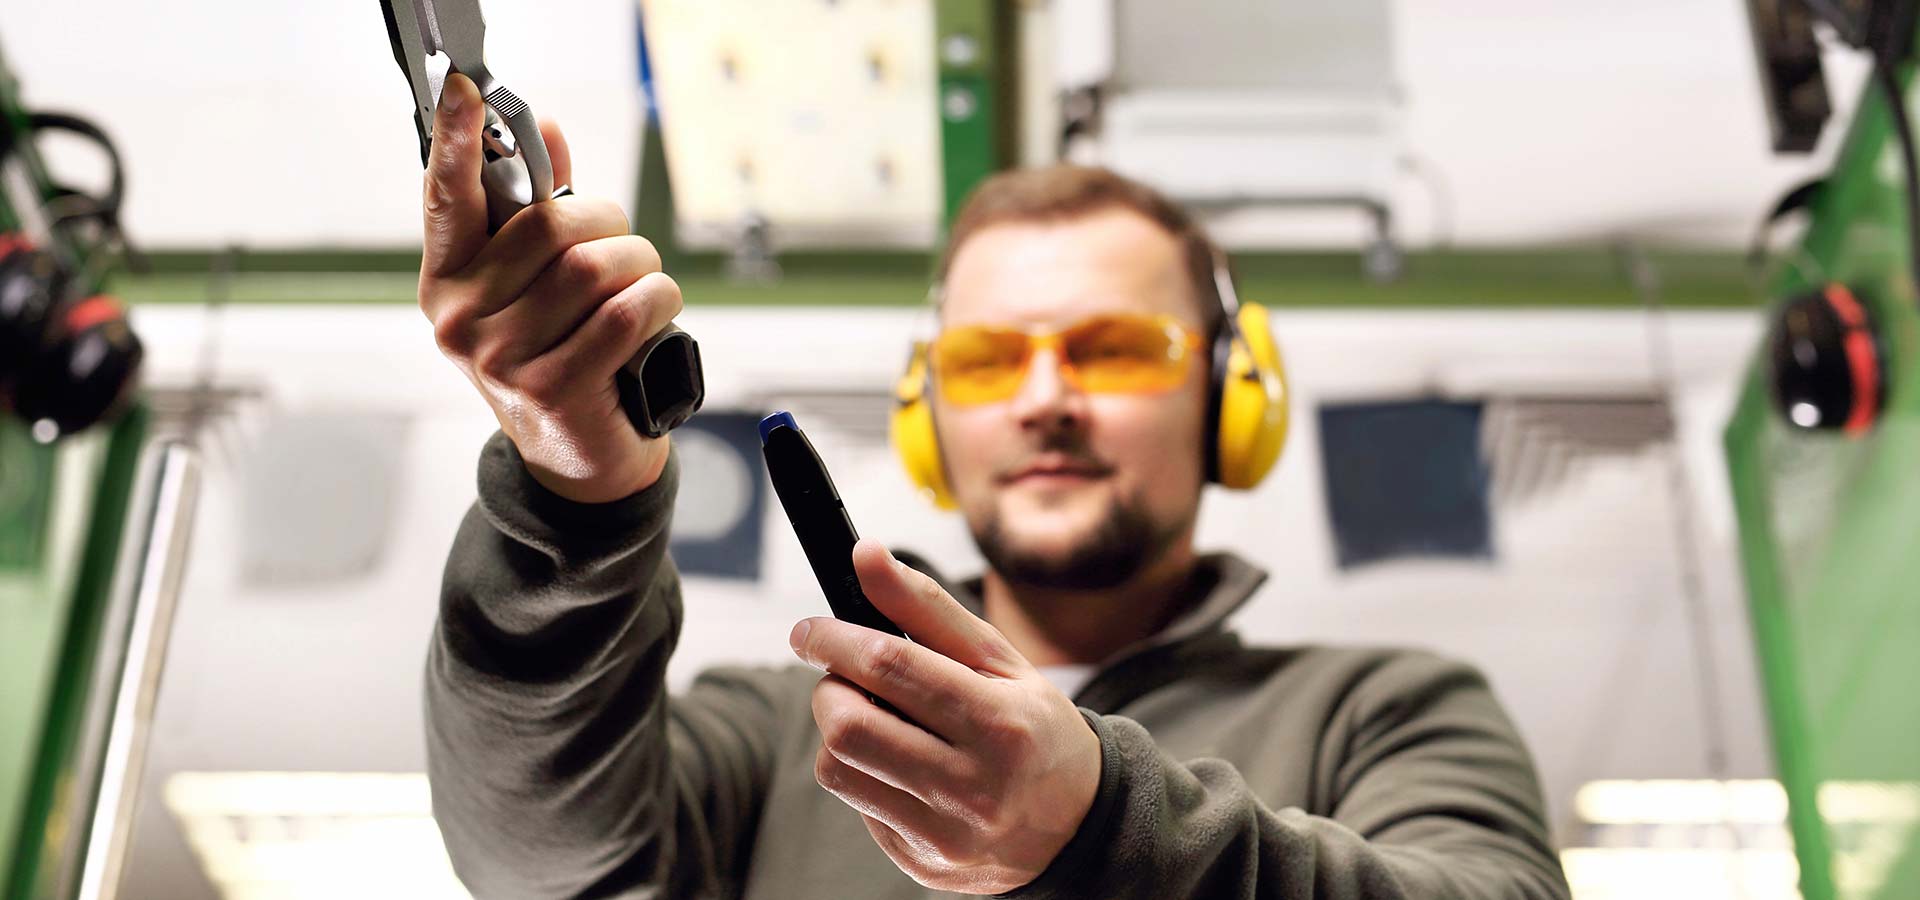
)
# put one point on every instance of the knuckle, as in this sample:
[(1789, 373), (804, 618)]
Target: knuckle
[(843, 731), (450, 148), (542, 385), (547, 224), (990, 643), (453, 332), (646, 256), (612, 215), (1005, 730), (630, 259), (976, 807), (990, 647), (882, 660), (581, 265), (663, 291), (436, 200), (492, 363), (623, 314), (827, 771)]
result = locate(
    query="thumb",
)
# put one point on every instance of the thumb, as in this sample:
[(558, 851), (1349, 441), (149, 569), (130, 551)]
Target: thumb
[(454, 203)]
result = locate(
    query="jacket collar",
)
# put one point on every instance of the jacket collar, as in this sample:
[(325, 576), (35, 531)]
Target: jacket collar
[(1220, 585)]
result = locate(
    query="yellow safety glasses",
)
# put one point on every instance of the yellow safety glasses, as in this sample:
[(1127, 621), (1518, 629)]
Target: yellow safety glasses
[(1105, 354)]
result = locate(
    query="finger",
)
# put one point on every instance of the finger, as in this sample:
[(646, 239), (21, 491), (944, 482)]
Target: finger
[(613, 333), (557, 152), (570, 289), (454, 203), (533, 239), (901, 812), (925, 686), (924, 610), (897, 848), (878, 743)]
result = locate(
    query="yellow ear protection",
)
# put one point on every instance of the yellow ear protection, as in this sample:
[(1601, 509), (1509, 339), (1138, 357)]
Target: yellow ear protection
[(911, 428), (1246, 412)]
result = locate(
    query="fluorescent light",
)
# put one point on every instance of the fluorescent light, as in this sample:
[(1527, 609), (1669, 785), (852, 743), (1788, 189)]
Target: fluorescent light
[(314, 835), (1872, 823), (1597, 873), (1678, 802)]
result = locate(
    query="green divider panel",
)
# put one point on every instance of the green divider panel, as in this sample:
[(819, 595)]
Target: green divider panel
[(53, 611), (1830, 543)]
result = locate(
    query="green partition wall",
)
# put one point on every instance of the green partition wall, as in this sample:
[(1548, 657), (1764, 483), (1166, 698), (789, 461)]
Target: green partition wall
[(61, 525), (1830, 540), (63, 511)]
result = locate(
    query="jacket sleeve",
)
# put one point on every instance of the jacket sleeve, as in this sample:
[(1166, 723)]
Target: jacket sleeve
[(558, 766), (1436, 798)]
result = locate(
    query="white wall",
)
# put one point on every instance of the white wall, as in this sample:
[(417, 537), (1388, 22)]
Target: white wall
[(1564, 119), (1579, 621), (287, 124)]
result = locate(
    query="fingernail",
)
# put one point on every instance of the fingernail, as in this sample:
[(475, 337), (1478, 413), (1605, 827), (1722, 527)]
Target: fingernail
[(799, 635)]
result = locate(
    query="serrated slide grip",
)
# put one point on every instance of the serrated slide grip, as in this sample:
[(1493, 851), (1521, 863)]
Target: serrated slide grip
[(532, 158)]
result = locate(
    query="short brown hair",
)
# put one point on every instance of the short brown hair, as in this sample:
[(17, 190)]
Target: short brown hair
[(1064, 192)]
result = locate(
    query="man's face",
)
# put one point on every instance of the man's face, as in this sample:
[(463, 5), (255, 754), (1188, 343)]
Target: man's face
[(1063, 488)]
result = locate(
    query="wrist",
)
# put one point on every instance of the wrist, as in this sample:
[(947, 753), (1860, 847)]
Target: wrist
[(640, 474)]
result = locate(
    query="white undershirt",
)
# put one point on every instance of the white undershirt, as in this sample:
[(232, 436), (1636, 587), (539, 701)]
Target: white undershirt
[(1069, 679)]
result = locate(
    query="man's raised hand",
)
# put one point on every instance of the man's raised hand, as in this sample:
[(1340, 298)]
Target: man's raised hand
[(542, 314)]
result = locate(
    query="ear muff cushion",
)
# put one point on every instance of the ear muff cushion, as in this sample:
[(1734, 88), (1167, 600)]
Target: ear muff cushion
[(911, 429), (31, 287), (1253, 403)]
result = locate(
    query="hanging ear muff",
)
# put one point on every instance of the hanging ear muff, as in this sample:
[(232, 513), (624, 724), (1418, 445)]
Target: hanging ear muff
[(1250, 399), (1826, 365), (911, 428), (69, 364), (86, 372)]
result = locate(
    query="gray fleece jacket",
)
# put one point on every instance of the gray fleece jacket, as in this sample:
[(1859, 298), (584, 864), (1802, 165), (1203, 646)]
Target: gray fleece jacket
[(561, 767)]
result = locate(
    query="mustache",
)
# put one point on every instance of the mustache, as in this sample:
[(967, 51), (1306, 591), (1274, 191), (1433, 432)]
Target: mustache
[(1066, 447)]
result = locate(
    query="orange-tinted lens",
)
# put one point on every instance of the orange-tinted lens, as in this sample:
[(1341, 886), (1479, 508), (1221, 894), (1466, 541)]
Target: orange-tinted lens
[(1127, 354), (979, 364)]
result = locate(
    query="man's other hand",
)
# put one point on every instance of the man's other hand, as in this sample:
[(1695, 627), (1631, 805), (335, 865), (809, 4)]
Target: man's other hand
[(541, 315), (996, 778)]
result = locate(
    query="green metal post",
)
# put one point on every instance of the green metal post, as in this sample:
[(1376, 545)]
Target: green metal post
[(977, 56)]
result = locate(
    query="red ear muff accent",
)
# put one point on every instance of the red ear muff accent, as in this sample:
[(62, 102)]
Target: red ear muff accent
[(1863, 358), (92, 311)]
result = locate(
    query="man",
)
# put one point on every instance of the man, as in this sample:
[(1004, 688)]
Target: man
[(1185, 764)]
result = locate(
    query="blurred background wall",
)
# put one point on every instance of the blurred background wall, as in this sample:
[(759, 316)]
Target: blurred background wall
[(1537, 151), (276, 126)]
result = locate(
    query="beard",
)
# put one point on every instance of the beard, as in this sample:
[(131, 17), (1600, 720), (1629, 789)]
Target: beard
[(1126, 540)]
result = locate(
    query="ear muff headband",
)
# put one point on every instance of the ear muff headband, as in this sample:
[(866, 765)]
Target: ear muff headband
[(1246, 417)]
